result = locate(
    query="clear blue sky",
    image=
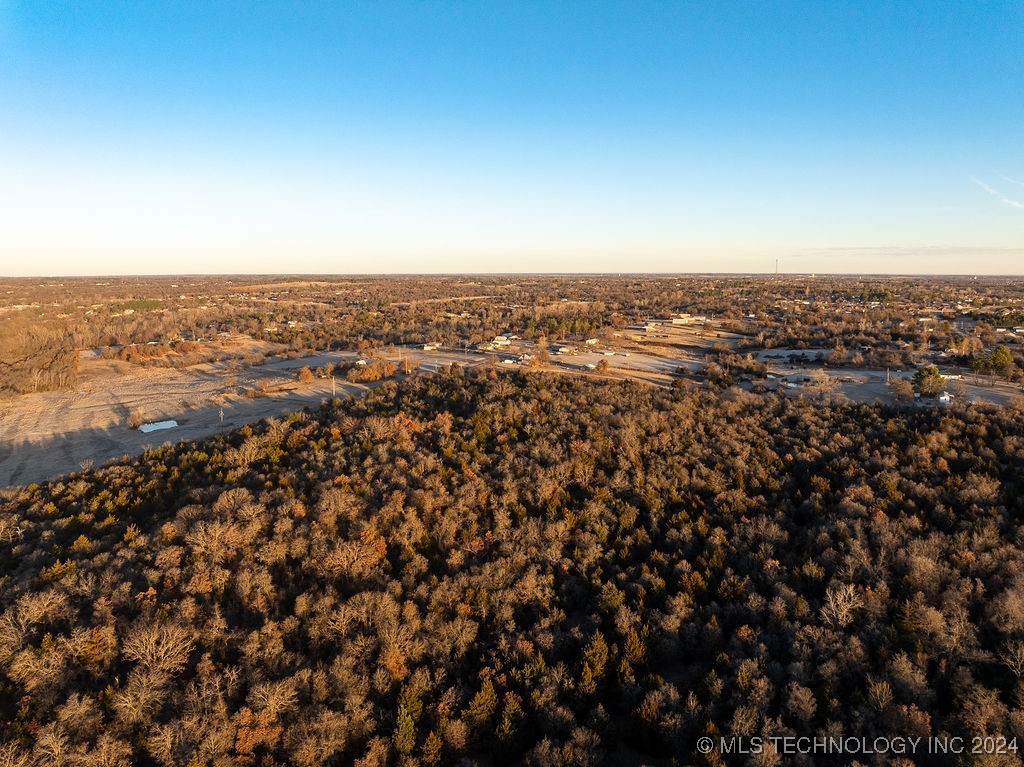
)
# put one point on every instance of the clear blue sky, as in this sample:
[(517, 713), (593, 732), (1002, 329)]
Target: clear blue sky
[(158, 137)]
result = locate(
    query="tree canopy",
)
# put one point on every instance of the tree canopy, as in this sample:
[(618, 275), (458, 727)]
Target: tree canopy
[(519, 569)]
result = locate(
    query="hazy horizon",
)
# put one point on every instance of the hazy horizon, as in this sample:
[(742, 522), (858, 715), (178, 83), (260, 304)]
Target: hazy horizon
[(596, 275), (415, 138), (492, 274)]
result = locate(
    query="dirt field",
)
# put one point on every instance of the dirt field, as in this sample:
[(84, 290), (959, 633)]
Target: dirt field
[(47, 435), (50, 434)]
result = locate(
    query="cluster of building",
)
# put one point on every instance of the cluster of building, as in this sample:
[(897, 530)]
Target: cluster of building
[(678, 318), (499, 342)]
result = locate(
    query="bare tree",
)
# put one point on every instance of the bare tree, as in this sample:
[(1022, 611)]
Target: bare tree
[(12, 756), (110, 752), (163, 649), (840, 604), (1012, 656), (141, 697), (52, 746)]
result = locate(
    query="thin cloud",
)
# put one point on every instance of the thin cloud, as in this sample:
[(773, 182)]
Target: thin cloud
[(998, 195), (1012, 180)]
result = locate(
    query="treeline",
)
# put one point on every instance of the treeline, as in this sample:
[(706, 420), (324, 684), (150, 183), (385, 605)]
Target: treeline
[(363, 371), (525, 569), (36, 358)]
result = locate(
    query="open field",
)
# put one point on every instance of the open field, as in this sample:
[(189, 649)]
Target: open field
[(48, 434), (51, 433)]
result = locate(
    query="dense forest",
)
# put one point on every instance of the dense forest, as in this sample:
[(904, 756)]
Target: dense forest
[(499, 569)]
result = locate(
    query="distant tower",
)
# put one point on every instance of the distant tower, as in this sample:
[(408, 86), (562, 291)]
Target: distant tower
[(776, 266)]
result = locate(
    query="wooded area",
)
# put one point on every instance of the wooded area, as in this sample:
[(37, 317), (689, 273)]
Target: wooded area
[(520, 568)]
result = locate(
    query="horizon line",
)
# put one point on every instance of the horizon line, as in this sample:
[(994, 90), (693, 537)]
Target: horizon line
[(380, 275)]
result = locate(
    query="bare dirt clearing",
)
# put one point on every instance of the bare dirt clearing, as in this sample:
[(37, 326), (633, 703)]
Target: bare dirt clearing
[(49, 434)]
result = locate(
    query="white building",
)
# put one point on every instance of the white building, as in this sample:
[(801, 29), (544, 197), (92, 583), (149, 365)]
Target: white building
[(688, 319)]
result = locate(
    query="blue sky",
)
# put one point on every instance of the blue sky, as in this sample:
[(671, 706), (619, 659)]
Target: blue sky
[(149, 137)]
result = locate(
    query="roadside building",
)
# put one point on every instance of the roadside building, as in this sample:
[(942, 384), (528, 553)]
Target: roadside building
[(689, 319)]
